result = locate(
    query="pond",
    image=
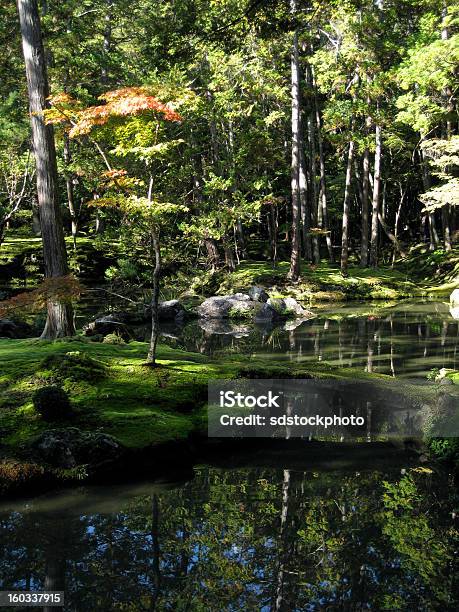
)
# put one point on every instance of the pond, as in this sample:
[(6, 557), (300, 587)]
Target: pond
[(250, 538), (263, 533), (408, 339)]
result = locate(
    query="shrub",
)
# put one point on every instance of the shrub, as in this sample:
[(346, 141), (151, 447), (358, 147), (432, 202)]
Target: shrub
[(52, 403)]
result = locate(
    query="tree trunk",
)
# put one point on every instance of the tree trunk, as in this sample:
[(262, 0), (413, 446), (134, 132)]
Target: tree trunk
[(347, 199), (107, 42), (323, 183), (278, 604), (445, 220), (212, 252), (294, 271), (59, 321), (313, 199), (434, 240), (229, 255), (151, 358), (70, 194), (305, 212), (365, 208), (273, 230), (376, 199)]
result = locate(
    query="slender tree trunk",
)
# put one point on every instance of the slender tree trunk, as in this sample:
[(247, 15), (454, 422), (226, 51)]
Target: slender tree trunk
[(273, 230), (376, 199), (107, 41), (313, 194), (151, 358), (365, 208), (445, 219), (434, 240), (347, 199), (283, 554), (323, 182), (70, 193), (59, 321), (398, 215), (305, 211), (294, 271)]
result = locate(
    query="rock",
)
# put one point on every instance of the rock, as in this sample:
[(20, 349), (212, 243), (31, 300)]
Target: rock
[(227, 306), (279, 309), (258, 294), (446, 381), (294, 307), (108, 325), (454, 298), (171, 310), (15, 329), (443, 372), (67, 448)]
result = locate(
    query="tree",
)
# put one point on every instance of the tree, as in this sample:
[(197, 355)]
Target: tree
[(130, 121), (295, 258), (59, 320)]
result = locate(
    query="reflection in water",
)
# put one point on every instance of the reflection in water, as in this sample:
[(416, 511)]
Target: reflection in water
[(409, 339), (246, 539)]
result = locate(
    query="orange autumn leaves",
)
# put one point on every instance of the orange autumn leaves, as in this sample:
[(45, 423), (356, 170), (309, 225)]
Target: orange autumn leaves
[(125, 102)]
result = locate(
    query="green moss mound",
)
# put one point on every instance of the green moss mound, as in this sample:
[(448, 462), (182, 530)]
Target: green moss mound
[(74, 365)]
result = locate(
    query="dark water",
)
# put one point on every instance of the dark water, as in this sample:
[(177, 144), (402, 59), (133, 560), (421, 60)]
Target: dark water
[(245, 539), (366, 537)]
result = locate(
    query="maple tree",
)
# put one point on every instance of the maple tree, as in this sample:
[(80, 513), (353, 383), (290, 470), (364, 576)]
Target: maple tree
[(131, 120)]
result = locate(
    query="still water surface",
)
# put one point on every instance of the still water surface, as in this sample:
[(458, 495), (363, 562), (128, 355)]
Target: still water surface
[(407, 339)]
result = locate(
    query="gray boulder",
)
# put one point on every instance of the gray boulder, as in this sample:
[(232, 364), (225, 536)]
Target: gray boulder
[(258, 294), (279, 309), (228, 306), (171, 310), (67, 448)]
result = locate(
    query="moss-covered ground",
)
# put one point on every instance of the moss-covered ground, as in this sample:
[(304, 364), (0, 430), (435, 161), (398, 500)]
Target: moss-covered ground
[(422, 275), (116, 393)]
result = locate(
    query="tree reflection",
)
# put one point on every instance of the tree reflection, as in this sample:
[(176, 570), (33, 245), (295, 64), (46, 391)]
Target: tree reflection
[(248, 539)]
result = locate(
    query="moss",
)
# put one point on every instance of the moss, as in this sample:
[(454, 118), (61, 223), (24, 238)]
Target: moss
[(136, 404), (73, 365), (238, 314)]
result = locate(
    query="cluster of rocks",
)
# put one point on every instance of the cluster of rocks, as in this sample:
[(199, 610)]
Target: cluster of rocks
[(255, 305)]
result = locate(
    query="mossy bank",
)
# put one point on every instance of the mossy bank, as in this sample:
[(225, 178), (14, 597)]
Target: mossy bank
[(113, 393)]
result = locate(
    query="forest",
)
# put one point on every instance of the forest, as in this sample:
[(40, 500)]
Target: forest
[(195, 191)]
